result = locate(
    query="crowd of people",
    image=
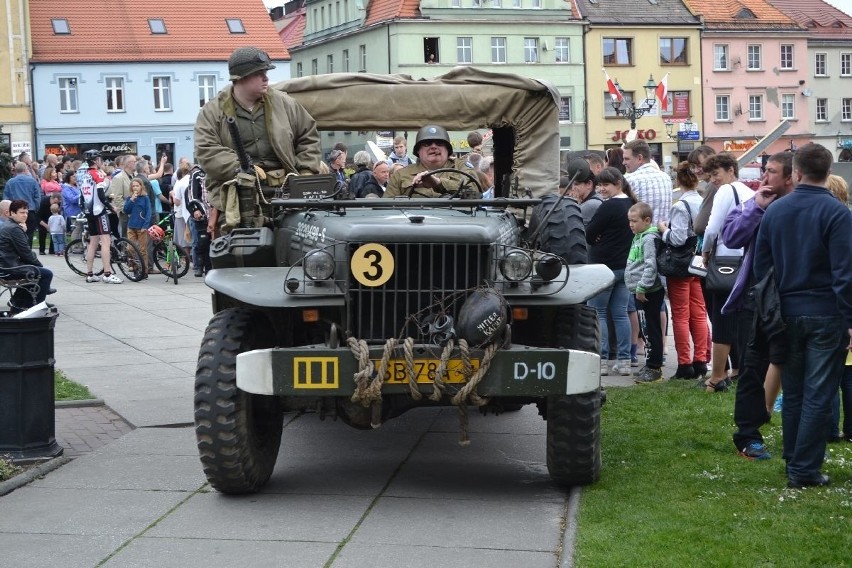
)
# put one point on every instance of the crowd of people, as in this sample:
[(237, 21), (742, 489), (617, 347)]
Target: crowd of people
[(780, 321)]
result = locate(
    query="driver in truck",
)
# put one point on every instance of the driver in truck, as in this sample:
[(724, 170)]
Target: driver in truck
[(433, 149)]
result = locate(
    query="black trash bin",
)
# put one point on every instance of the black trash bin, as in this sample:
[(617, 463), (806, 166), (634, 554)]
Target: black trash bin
[(27, 416)]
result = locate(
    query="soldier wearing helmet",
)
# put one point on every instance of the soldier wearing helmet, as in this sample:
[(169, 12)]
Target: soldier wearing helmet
[(278, 134), (433, 150)]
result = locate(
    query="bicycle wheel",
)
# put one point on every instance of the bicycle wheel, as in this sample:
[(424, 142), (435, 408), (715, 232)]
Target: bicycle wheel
[(128, 258), (75, 257), (181, 262), (173, 263)]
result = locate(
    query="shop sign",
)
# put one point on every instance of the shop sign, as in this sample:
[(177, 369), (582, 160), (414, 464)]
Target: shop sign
[(738, 145), (108, 149), (649, 134)]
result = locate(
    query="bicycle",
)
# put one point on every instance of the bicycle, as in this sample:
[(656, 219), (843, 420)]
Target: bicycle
[(169, 258), (123, 253)]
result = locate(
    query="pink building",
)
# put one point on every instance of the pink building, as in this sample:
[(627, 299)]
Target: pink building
[(754, 71)]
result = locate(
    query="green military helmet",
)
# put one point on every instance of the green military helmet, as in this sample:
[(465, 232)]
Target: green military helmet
[(247, 60), (432, 132)]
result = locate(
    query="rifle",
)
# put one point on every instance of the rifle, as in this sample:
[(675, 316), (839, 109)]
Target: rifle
[(246, 166)]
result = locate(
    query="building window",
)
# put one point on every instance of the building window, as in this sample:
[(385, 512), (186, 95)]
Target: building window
[(609, 112), (755, 107), (498, 50), (678, 105), (673, 50), (329, 64), (846, 64), (68, 94), (617, 51), (846, 109), (820, 65), (455, 3), (754, 59), (115, 94), (563, 51), (530, 50), (464, 49), (60, 26), (206, 89), (235, 25), (314, 67), (431, 50), (723, 107), (299, 71), (162, 93), (496, 3), (565, 110), (536, 3), (346, 61), (516, 3), (822, 110), (157, 25), (786, 56), (788, 106), (362, 58), (720, 57)]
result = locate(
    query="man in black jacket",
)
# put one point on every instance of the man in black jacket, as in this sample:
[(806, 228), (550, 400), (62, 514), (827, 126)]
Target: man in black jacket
[(15, 253)]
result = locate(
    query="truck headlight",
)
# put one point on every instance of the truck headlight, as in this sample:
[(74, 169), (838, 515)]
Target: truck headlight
[(318, 265), (548, 267), (516, 265)]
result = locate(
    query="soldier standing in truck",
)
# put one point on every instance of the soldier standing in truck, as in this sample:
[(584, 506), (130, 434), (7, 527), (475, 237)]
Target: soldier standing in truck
[(278, 134)]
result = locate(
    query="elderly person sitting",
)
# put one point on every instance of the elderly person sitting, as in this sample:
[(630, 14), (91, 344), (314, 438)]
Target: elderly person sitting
[(433, 149), (15, 253)]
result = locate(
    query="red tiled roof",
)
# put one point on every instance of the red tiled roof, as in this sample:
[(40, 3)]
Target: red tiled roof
[(726, 11), (819, 17), (292, 28), (383, 10), (118, 31)]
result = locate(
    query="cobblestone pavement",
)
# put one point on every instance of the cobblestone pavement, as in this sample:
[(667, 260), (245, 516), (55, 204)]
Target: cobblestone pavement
[(80, 430)]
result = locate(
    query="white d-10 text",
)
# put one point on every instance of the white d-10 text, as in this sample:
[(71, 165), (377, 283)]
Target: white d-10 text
[(541, 370)]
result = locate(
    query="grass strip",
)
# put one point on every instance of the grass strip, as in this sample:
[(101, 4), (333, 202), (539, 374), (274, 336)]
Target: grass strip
[(66, 389), (674, 492)]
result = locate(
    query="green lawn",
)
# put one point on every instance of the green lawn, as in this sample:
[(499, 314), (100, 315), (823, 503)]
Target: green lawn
[(673, 491), (66, 389)]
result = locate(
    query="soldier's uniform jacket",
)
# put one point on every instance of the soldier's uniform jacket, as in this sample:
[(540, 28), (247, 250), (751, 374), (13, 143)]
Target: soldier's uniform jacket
[(401, 180), (291, 131)]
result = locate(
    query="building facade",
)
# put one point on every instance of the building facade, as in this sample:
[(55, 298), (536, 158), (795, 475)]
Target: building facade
[(541, 39), (15, 113), (637, 41)]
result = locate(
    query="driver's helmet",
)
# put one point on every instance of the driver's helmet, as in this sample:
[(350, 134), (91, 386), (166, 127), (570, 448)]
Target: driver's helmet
[(156, 233), (432, 132), (91, 156)]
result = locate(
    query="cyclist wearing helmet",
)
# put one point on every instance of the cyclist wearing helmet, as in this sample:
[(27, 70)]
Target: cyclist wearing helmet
[(433, 150)]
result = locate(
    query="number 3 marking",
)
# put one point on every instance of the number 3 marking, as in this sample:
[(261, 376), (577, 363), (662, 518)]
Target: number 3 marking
[(372, 264)]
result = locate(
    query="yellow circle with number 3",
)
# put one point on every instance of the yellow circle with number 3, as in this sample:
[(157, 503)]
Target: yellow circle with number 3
[(372, 264)]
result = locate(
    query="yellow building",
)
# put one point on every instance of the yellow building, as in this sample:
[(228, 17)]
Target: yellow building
[(639, 52), (15, 49)]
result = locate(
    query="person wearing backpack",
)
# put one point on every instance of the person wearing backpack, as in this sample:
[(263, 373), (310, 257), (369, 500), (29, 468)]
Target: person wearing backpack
[(689, 314)]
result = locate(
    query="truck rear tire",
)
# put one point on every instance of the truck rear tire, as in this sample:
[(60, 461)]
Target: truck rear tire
[(238, 433), (574, 421)]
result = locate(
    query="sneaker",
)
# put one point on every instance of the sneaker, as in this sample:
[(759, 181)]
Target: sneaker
[(778, 403), (93, 278), (648, 375), (622, 367), (604, 367), (111, 279), (700, 369), (634, 361), (683, 373), (820, 480), (755, 451)]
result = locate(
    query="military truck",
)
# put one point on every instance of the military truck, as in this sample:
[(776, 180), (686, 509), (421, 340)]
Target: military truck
[(361, 309)]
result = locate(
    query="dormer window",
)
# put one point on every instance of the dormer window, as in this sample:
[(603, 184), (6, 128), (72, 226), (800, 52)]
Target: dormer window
[(745, 14), (157, 25), (235, 25), (60, 26)]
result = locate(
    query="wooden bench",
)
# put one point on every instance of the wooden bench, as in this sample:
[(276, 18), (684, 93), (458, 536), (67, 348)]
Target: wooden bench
[(25, 276)]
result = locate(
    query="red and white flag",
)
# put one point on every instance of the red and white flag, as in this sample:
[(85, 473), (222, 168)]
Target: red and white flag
[(663, 92), (613, 90)]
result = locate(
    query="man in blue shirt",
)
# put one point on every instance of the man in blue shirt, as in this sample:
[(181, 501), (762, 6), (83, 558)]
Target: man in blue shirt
[(24, 187), (807, 238)]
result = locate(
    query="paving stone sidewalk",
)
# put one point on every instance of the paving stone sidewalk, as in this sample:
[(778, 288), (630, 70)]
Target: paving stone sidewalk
[(83, 429)]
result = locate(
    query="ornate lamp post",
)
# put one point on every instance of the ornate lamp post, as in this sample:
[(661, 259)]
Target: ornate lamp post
[(680, 134), (631, 111)]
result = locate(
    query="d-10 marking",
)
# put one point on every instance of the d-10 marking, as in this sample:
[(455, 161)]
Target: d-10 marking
[(543, 370)]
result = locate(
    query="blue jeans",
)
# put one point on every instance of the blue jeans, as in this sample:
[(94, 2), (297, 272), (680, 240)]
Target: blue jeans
[(810, 379), (614, 301)]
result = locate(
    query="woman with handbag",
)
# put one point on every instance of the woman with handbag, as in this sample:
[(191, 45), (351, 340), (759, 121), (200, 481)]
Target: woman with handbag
[(722, 267), (689, 314)]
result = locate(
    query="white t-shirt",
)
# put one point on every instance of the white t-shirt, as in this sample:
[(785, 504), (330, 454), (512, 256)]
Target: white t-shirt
[(179, 194)]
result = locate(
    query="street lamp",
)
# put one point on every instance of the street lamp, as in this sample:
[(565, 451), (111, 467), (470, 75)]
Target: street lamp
[(680, 134), (632, 112)]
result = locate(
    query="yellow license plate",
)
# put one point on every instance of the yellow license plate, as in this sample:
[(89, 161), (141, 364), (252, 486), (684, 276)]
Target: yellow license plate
[(397, 373)]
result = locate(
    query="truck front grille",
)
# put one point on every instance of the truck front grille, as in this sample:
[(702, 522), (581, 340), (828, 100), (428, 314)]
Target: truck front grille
[(426, 278)]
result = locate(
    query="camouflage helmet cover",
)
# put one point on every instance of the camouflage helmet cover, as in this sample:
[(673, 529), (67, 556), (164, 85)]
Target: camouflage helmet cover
[(247, 60), (432, 132)]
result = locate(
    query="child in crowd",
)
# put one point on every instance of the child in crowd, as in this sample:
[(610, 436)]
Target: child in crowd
[(138, 209), (642, 279), (56, 226)]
